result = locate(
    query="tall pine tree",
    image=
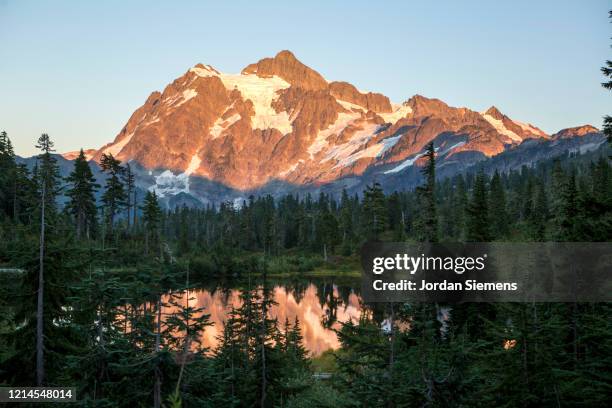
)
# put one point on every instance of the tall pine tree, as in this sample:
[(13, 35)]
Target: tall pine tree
[(81, 196)]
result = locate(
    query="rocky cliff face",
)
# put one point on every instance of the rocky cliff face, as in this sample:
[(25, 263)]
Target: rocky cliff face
[(279, 121)]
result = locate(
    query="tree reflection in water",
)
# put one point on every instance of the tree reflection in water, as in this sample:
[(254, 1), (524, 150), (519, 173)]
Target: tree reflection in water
[(320, 308)]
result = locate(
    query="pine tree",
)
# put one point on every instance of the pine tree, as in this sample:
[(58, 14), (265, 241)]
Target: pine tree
[(129, 180), (539, 214), (396, 217), (478, 229), (81, 196), (7, 170), (49, 188), (151, 217), (295, 345), (565, 205), (497, 207), (49, 177), (427, 221), (327, 232), (374, 211), (607, 72), (460, 205), (114, 196), (346, 222)]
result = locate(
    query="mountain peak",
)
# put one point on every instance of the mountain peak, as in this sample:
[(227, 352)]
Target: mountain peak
[(575, 131), (280, 120), (424, 106), (286, 66), (286, 55), (494, 112)]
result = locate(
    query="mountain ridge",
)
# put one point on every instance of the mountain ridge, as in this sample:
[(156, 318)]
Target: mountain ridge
[(281, 120)]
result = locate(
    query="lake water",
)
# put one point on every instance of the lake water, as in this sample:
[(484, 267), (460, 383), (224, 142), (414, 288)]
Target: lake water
[(319, 306)]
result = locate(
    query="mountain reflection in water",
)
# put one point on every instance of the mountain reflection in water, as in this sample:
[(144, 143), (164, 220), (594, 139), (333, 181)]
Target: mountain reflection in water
[(319, 308)]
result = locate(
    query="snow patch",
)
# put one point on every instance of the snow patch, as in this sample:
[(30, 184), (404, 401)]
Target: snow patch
[(412, 160), (237, 203), (150, 122), (347, 153), (529, 128), (350, 106), (261, 91), (320, 142), (221, 124), (207, 71), (406, 163), (187, 95), (116, 148), (168, 184), (451, 148), (194, 164), (291, 169), (399, 112), (179, 99), (499, 126)]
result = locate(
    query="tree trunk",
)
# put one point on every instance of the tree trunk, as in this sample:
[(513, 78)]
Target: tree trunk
[(40, 367)]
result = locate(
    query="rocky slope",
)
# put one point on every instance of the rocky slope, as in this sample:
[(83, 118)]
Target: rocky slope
[(280, 123)]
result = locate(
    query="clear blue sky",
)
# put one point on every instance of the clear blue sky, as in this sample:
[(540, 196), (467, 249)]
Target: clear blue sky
[(78, 69)]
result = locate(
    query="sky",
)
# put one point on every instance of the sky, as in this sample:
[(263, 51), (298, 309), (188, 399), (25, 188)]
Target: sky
[(77, 70)]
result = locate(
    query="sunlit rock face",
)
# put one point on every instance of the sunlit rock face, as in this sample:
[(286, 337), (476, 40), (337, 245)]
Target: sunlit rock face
[(279, 120), (318, 313)]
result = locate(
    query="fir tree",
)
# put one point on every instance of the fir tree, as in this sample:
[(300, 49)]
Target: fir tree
[(374, 211), (49, 188), (114, 196), (539, 214), (497, 207), (478, 229), (129, 180), (427, 223), (81, 196), (151, 215), (607, 72)]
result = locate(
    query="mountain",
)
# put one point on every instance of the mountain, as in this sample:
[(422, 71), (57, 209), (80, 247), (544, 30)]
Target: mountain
[(280, 126), (89, 154)]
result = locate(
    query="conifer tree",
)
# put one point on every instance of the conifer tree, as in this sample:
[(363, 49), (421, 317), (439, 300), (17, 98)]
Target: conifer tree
[(427, 223), (539, 214), (81, 196), (564, 204), (151, 215), (346, 222), (49, 188), (374, 211), (497, 207), (478, 229), (129, 180), (460, 205), (397, 219), (327, 231), (7, 170), (607, 72), (114, 196)]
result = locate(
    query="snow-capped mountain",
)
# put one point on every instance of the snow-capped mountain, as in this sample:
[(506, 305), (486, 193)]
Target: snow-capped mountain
[(280, 122)]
